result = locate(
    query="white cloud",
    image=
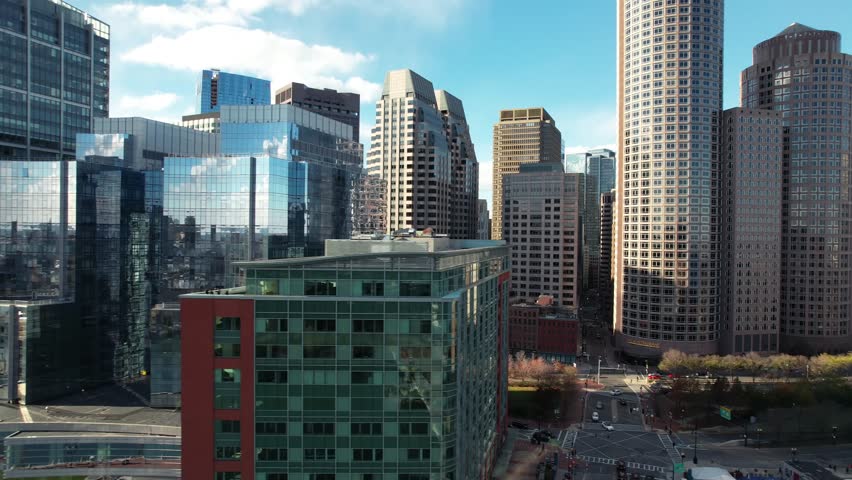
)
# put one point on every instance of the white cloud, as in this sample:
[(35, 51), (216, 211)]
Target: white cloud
[(197, 13), (257, 52), (155, 102)]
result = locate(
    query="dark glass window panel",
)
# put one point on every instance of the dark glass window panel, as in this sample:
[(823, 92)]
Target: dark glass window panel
[(44, 25), (319, 351), (13, 116), (329, 325), (13, 62), (45, 125), (13, 15), (76, 39)]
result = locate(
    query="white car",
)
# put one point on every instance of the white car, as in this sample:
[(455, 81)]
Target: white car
[(615, 392), (595, 417), (607, 426)]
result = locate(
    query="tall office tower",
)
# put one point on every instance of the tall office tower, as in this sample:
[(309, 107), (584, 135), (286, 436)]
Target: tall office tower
[(576, 162), (465, 178), (751, 166), (280, 186), (669, 109), (411, 152), (216, 89), (542, 213), (483, 229), (73, 235), (384, 358), (604, 285), (341, 106), (801, 72), (599, 172), (54, 77), (527, 135), (369, 208)]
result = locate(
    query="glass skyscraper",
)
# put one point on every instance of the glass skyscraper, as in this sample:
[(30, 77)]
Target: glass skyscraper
[(217, 89), (54, 77), (382, 359), (599, 178)]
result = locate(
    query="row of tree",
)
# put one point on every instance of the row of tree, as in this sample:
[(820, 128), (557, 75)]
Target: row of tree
[(537, 372), (755, 365)]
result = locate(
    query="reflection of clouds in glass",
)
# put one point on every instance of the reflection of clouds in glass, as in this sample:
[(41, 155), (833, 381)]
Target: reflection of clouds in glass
[(109, 145), (277, 148)]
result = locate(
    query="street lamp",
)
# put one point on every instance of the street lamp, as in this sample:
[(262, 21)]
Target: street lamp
[(834, 435), (695, 446), (793, 452), (758, 436)]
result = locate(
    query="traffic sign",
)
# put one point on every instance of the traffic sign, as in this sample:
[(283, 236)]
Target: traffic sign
[(678, 468), (725, 413)]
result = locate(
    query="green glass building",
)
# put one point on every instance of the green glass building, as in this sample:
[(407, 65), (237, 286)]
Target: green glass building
[(383, 359)]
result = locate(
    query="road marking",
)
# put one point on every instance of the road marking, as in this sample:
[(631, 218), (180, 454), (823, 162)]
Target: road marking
[(612, 461), (25, 414), (614, 410)]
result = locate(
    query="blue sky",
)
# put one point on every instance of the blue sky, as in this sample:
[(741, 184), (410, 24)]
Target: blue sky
[(559, 54)]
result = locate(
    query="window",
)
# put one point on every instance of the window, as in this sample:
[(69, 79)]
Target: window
[(366, 378), (368, 326), (413, 476), (418, 454), (270, 476), (227, 350), (373, 289), (228, 453), (319, 351), (231, 324), (270, 428), (320, 454), (415, 352), (266, 454), (320, 476), (270, 351), (359, 351), (318, 428), (320, 287), (228, 476), (227, 388), (320, 325), (366, 454), (413, 428), (227, 426), (272, 376), (366, 429), (270, 325), (415, 289)]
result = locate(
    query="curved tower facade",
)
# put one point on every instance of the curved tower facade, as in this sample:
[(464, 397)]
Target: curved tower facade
[(669, 105), (802, 73)]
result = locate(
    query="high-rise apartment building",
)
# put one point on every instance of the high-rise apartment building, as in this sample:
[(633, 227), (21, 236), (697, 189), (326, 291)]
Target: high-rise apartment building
[(484, 223), (216, 89), (341, 106), (54, 77), (421, 147), (604, 285), (527, 135), (750, 209), (382, 358), (669, 109), (599, 177), (801, 72), (542, 213), (464, 208)]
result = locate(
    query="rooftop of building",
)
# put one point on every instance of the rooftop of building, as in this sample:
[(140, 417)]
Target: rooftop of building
[(200, 116), (795, 28), (399, 83), (531, 113), (381, 248), (547, 307), (812, 469)]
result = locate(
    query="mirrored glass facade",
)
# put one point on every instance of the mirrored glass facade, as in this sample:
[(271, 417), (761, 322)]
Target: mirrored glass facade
[(66, 52), (217, 89)]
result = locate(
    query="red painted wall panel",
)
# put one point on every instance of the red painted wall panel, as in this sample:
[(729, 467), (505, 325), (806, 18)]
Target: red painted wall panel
[(197, 365)]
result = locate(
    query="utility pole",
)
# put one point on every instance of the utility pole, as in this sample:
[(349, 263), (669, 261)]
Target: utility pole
[(599, 369)]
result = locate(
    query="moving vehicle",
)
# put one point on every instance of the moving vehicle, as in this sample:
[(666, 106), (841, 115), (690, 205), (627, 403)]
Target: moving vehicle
[(607, 426), (599, 405), (654, 376), (595, 417), (615, 392)]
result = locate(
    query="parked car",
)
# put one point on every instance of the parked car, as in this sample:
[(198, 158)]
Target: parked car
[(520, 425), (595, 417), (615, 392), (545, 433), (654, 376), (607, 426), (599, 405)]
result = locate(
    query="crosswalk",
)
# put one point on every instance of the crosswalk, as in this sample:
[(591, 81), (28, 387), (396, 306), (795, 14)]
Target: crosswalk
[(612, 461), (672, 452)]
